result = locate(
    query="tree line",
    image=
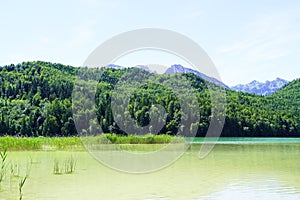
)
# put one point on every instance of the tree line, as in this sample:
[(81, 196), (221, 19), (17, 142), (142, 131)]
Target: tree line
[(36, 100)]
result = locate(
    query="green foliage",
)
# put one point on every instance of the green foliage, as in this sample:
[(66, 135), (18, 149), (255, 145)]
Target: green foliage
[(35, 100), (32, 143), (146, 139)]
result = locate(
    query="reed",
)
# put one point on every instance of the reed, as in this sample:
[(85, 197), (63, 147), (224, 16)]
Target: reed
[(70, 164), (21, 185), (3, 156), (64, 167), (76, 143), (40, 143), (56, 167), (14, 169), (133, 139)]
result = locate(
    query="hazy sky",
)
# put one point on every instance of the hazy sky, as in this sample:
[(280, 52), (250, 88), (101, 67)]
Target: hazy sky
[(247, 40)]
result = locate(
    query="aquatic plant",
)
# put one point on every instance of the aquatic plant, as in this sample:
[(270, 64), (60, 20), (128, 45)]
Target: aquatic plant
[(14, 169), (3, 156), (22, 180), (70, 164), (39, 143), (62, 143), (21, 185), (66, 167), (56, 167), (137, 139)]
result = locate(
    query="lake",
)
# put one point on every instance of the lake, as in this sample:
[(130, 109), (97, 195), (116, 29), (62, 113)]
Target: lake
[(233, 170)]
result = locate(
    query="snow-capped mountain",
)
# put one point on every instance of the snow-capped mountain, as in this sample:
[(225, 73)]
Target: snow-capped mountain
[(266, 88), (143, 67), (255, 87), (180, 69), (113, 66)]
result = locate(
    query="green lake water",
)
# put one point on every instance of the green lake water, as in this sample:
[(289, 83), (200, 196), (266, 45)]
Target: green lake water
[(233, 170)]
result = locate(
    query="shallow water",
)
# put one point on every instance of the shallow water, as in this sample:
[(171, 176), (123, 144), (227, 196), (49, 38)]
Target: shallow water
[(230, 171)]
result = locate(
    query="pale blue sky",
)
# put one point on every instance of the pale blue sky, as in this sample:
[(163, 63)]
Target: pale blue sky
[(247, 40)]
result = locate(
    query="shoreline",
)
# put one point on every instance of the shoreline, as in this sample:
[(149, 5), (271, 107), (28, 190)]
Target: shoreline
[(76, 143)]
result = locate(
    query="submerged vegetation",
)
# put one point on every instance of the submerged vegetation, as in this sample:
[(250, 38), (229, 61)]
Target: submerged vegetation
[(36, 100), (14, 173), (64, 167), (3, 165), (21, 185)]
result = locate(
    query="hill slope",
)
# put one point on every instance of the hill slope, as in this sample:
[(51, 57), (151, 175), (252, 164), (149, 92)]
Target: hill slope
[(35, 100)]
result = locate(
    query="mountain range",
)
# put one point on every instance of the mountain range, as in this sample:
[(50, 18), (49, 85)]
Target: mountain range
[(254, 87), (180, 69), (173, 69), (266, 88)]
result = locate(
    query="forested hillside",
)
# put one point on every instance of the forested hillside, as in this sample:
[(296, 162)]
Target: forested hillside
[(35, 99)]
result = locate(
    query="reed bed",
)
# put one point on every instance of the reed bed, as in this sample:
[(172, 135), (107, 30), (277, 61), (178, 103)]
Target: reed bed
[(76, 143), (40, 143), (133, 139)]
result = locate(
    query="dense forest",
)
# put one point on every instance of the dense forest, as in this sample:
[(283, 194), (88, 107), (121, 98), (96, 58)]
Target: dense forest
[(36, 100)]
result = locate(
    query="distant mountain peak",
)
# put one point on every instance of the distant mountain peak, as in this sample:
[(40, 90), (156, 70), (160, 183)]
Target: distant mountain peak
[(114, 66), (255, 82), (280, 79), (260, 88), (177, 68)]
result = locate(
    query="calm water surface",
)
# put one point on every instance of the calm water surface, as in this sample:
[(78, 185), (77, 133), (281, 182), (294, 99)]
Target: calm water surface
[(231, 171)]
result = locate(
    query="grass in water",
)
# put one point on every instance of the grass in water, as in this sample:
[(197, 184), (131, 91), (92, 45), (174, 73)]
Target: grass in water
[(56, 167), (64, 167), (14, 169), (62, 143), (70, 164), (133, 139), (14, 172), (40, 143), (3, 156), (21, 185)]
